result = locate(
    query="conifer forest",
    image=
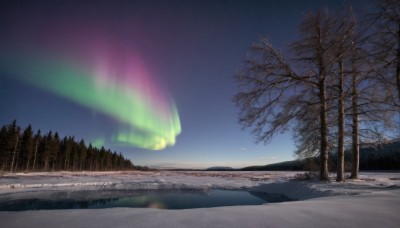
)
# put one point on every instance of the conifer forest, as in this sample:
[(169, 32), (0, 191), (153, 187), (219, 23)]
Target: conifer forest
[(27, 151)]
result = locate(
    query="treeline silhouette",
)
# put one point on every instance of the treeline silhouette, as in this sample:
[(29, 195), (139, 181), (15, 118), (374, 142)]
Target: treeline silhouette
[(28, 151), (381, 156), (384, 156)]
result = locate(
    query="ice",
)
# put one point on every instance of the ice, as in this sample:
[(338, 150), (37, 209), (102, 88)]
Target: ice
[(371, 201)]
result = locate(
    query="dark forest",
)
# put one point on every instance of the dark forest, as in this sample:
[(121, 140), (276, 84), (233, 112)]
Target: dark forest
[(26, 151)]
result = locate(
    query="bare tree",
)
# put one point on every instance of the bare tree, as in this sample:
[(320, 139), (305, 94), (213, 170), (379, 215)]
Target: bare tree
[(351, 78), (314, 51), (328, 77), (342, 43), (369, 106), (385, 38), (273, 94), (306, 131), (355, 143)]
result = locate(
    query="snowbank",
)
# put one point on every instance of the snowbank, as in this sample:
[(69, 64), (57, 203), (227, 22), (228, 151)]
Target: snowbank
[(372, 201)]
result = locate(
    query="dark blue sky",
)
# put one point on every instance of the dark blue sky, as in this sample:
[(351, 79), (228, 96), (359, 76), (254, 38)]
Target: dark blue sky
[(192, 49)]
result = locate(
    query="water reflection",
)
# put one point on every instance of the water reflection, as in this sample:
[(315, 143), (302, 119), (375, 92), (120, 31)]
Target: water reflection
[(140, 199)]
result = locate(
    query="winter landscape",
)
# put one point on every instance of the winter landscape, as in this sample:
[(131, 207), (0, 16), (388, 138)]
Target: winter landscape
[(192, 113), (371, 201)]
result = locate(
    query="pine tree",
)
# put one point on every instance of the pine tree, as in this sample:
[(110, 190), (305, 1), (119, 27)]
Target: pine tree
[(82, 153), (4, 156), (74, 154), (37, 139), (66, 152), (90, 153), (102, 156), (54, 150), (26, 147), (13, 140), (48, 140)]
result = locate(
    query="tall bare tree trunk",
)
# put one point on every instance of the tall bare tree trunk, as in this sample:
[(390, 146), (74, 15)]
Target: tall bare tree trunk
[(355, 129), (15, 150), (340, 152), (398, 59), (324, 132)]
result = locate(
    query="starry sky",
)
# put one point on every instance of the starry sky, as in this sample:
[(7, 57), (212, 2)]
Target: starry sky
[(150, 79)]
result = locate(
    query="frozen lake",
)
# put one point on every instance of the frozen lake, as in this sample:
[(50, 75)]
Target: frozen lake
[(371, 201), (139, 199)]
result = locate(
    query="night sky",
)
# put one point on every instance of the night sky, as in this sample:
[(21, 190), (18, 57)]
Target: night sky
[(150, 79)]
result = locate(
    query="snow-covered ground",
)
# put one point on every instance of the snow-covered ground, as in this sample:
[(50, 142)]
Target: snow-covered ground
[(371, 201)]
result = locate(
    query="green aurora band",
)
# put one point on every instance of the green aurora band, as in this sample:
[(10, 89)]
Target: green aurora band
[(150, 127)]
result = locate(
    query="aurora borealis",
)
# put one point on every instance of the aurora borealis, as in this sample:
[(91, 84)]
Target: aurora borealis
[(122, 90), (151, 79)]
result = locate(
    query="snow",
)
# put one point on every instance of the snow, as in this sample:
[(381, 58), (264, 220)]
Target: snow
[(371, 201)]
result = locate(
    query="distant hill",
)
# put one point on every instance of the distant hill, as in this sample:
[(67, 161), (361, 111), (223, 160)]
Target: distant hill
[(219, 168), (384, 156), (295, 165)]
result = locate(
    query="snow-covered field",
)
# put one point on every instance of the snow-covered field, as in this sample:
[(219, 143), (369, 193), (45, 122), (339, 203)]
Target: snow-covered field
[(371, 201)]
